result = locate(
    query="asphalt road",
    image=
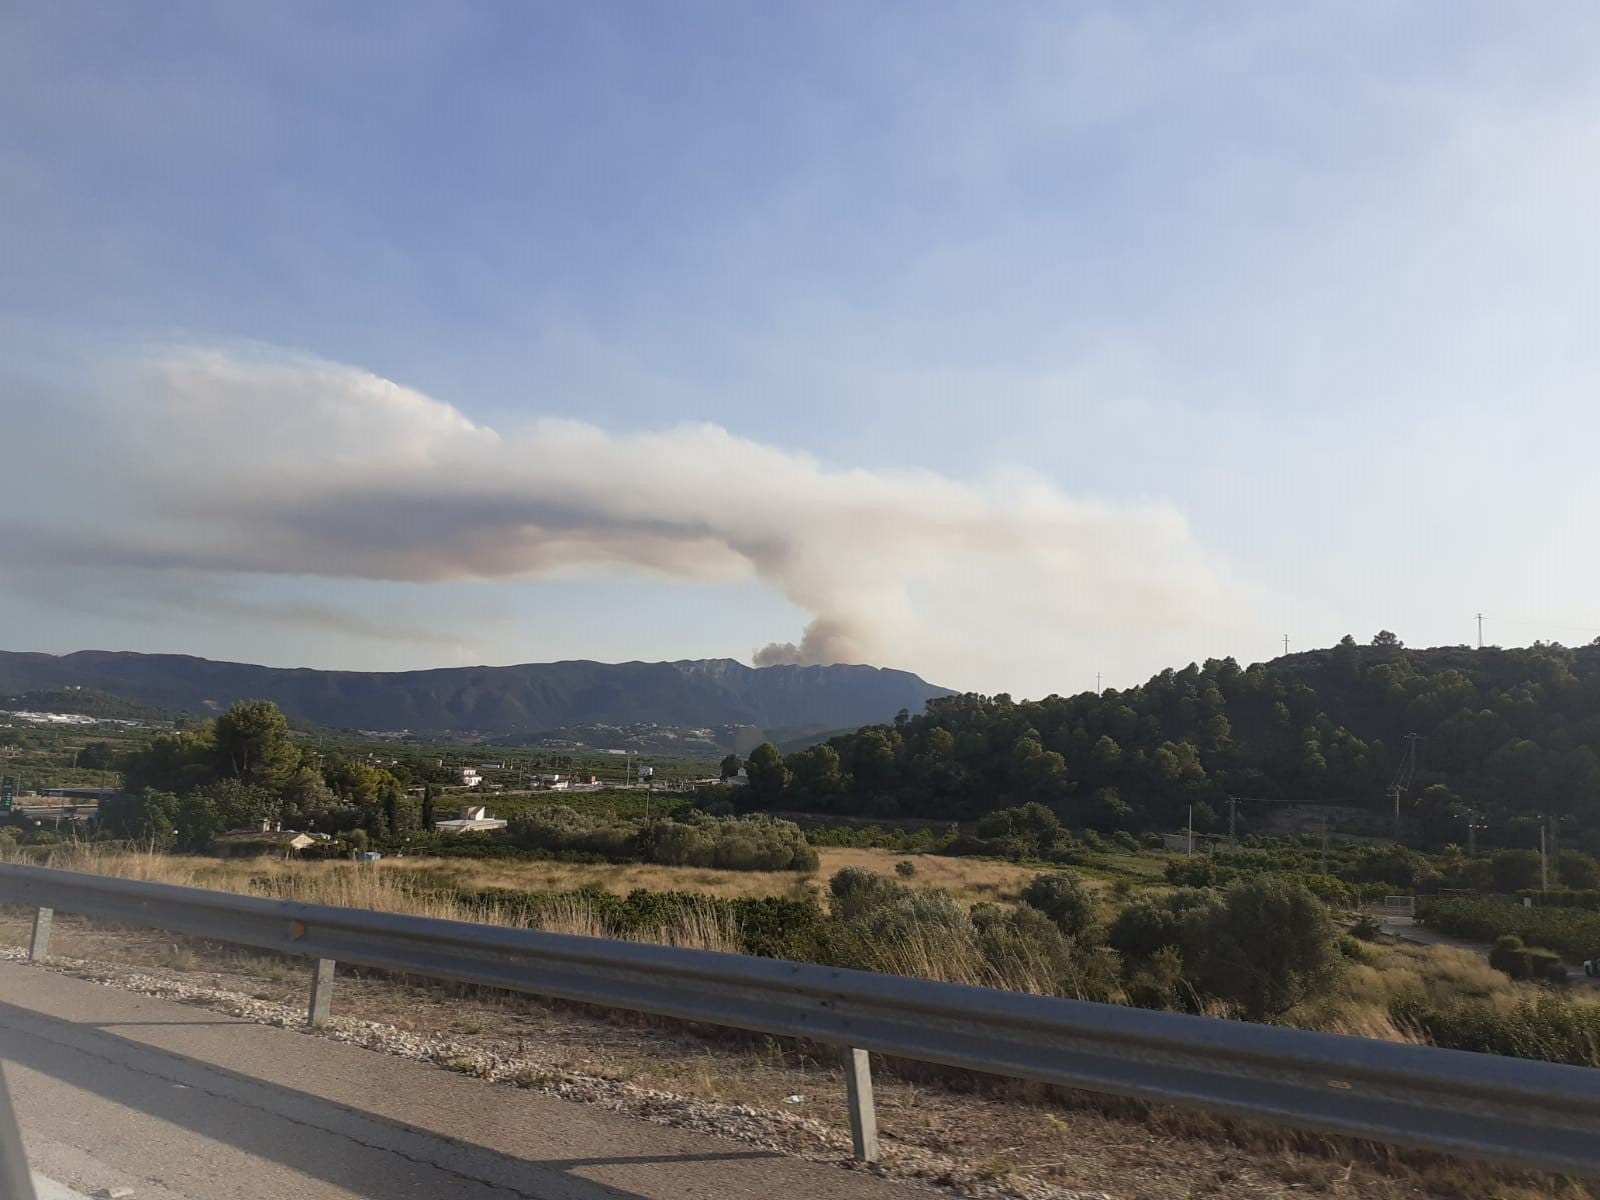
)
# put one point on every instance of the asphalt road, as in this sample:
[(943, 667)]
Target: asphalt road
[(115, 1090)]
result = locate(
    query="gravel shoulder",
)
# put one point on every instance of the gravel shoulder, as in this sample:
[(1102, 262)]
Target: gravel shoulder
[(967, 1137)]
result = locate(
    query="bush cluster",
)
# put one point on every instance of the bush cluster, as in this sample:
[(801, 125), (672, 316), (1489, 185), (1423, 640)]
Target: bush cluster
[(1587, 898), (1526, 962), (728, 843), (1265, 944), (1572, 933), (1208, 872)]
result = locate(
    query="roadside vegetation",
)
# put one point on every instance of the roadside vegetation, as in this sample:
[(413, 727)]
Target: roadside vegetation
[(1264, 948), (1573, 933)]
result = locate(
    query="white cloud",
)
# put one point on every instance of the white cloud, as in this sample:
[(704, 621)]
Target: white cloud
[(211, 463)]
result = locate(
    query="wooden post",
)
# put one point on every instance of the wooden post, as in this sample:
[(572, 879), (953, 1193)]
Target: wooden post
[(39, 944), (863, 1117), (321, 992)]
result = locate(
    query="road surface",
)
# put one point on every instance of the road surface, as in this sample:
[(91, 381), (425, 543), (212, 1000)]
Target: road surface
[(115, 1089)]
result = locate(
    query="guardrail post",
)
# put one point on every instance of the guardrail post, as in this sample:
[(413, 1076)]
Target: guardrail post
[(39, 943), (863, 1117), (321, 992)]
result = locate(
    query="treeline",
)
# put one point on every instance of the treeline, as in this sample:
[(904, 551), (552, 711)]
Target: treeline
[(699, 840), (182, 789), (1500, 735)]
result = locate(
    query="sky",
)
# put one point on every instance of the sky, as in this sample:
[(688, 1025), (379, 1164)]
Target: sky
[(1022, 346)]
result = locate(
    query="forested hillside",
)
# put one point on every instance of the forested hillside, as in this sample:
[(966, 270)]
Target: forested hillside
[(1505, 734)]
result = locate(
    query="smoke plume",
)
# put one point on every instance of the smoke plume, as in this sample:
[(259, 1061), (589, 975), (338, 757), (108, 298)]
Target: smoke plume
[(222, 465)]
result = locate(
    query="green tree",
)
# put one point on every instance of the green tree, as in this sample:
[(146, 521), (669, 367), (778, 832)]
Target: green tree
[(149, 817), (171, 762), (1031, 829), (227, 804), (355, 782), (817, 779), (1037, 774), (768, 776), (730, 766), (97, 756), (306, 796), (1515, 870), (253, 744)]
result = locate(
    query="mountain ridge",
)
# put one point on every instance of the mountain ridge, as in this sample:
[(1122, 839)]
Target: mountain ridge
[(518, 698)]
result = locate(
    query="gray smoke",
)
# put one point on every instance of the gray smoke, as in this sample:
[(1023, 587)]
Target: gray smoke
[(825, 641), (214, 464)]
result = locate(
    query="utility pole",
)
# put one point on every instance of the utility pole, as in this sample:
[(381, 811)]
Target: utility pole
[(1324, 843), (1544, 859), (1472, 834), (1097, 688), (1286, 645), (1233, 808), (1189, 847), (1480, 631)]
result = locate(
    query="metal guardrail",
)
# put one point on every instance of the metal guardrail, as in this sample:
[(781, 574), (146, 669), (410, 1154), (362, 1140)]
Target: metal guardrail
[(1528, 1114)]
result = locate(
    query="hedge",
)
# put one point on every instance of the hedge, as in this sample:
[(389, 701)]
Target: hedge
[(1571, 932)]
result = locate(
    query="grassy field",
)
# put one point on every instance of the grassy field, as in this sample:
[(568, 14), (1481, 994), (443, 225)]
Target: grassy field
[(969, 879)]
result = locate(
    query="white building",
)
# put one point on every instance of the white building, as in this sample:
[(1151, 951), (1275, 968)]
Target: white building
[(470, 777), (473, 819)]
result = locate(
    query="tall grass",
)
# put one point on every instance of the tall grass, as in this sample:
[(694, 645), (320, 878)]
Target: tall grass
[(409, 893)]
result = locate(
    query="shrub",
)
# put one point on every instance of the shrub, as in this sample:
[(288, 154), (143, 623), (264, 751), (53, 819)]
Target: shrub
[(1158, 982), (1268, 947), (1153, 923), (757, 843), (1021, 947), (1264, 945), (1061, 896), (855, 890), (905, 868), (1526, 962)]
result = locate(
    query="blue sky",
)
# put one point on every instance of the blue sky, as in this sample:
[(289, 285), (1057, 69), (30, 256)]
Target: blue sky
[(1008, 344)]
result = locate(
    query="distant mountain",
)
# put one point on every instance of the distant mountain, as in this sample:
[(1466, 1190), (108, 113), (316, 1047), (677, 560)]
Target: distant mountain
[(531, 698)]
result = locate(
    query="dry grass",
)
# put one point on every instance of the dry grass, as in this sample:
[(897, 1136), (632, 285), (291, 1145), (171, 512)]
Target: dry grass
[(1437, 975), (969, 880), (411, 891)]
